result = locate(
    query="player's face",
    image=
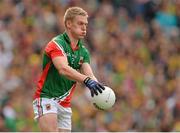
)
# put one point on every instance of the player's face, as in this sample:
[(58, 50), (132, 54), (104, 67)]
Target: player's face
[(78, 26)]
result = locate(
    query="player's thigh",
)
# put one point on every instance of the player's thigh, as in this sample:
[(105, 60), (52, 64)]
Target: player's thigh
[(48, 122), (45, 111)]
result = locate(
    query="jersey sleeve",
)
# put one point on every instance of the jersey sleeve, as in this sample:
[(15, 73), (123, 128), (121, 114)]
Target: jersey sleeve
[(53, 50), (86, 56)]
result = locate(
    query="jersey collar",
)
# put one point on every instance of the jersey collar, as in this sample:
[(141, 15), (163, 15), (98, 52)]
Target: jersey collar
[(69, 42)]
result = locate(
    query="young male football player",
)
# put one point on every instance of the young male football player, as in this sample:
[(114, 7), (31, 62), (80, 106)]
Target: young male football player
[(63, 56)]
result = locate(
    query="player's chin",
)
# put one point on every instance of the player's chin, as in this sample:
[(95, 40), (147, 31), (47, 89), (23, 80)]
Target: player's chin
[(82, 36)]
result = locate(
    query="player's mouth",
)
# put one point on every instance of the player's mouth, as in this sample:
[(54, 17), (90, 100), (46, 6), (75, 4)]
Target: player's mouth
[(83, 33)]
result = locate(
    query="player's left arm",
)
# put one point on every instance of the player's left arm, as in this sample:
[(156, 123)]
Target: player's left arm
[(85, 67), (87, 70)]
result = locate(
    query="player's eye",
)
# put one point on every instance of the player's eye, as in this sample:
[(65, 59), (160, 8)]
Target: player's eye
[(80, 23)]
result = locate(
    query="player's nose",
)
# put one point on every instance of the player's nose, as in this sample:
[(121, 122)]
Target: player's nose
[(84, 27)]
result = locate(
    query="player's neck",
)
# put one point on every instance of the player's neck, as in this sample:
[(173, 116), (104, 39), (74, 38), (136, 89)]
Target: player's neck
[(73, 40)]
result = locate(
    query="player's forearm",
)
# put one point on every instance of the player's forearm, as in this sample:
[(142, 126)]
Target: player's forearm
[(72, 74), (86, 70)]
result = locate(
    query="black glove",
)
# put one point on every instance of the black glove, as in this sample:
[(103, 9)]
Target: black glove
[(93, 86)]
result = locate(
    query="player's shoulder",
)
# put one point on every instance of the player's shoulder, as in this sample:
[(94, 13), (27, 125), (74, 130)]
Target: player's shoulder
[(84, 48), (82, 44), (58, 39)]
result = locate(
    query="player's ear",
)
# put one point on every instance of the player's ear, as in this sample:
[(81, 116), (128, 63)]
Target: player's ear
[(68, 23)]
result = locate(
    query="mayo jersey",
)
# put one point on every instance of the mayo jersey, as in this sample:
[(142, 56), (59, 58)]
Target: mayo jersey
[(52, 84)]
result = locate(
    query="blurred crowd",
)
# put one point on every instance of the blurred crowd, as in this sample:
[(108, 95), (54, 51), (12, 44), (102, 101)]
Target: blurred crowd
[(135, 49)]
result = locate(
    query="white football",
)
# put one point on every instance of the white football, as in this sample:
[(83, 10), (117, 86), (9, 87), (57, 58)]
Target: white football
[(104, 100)]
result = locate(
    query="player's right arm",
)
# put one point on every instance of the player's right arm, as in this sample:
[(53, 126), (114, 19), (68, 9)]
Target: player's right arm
[(61, 64), (60, 61), (63, 68)]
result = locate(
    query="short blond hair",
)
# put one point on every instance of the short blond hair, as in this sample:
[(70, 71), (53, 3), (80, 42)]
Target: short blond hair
[(72, 12)]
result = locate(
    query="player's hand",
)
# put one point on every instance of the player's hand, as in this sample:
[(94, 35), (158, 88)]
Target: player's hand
[(94, 86)]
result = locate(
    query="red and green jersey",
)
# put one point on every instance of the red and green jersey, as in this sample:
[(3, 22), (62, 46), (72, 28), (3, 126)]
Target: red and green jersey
[(53, 85)]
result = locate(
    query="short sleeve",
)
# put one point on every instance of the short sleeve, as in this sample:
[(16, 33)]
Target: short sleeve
[(53, 50)]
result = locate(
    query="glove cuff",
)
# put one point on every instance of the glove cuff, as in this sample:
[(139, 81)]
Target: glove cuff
[(86, 80)]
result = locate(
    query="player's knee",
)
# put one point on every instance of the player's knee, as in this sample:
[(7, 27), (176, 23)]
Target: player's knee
[(48, 122), (48, 128)]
